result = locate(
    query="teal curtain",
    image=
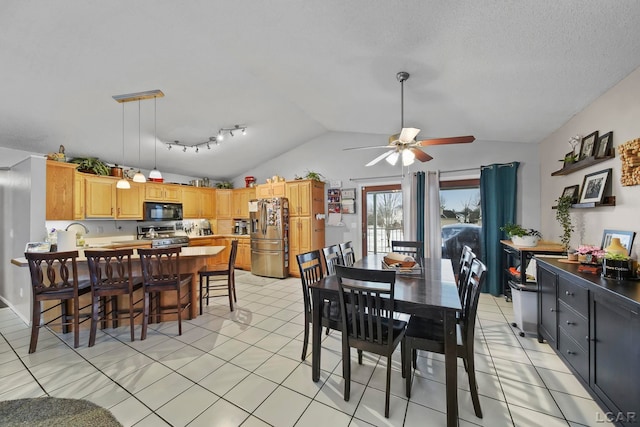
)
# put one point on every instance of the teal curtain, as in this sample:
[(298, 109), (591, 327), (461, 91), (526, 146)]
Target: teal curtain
[(420, 205), (498, 193)]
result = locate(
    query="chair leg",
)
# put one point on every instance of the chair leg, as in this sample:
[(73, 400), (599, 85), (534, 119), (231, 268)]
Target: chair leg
[(114, 312), (233, 286), (305, 343), (131, 316), (145, 315), (207, 279), (473, 385), (388, 389), (179, 308), (35, 325), (95, 313), (359, 357), (230, 291), (64, 312), (402, 351), (201, 292), (407, 362), (346, 370), (76, 323)]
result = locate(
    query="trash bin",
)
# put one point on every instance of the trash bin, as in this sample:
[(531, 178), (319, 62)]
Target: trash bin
[(525, 307)]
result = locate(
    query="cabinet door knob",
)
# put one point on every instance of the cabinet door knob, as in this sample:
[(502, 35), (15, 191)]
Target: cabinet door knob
[(568, 293), (570, 323), (552, 309), (570, 352), (587, 338)]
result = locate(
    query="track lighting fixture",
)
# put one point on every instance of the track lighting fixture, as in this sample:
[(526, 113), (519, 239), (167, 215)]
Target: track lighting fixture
[(212, 139)]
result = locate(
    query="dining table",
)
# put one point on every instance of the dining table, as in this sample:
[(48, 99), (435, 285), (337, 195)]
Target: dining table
[(422, 291)]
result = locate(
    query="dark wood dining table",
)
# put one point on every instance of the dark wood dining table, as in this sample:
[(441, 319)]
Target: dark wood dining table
[(434, 289)]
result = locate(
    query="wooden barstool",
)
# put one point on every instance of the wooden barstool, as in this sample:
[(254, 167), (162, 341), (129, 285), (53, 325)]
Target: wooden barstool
[(207, 272)]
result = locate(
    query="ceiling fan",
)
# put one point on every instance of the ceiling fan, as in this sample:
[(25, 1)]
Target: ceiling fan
[(404, 144)]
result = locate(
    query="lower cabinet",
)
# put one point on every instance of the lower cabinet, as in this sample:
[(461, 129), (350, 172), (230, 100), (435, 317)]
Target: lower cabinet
[(594, 326), (243, 257)]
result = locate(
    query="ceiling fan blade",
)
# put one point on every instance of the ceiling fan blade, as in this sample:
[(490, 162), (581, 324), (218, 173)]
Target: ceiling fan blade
[(368, 148), (408, 134), (451, 140), (380, 157), (421, 155)]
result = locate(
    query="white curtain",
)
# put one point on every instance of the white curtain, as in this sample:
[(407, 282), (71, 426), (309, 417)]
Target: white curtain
[(431, 200)]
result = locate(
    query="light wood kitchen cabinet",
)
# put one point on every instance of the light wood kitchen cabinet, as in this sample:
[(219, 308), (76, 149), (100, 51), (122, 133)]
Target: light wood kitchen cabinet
[(78, 195), (306, 197), (100, 196), (241, 198), (223, 203), (163, 192), (274, 189), (60, 190), (129, 203), (198, 202), (243, 258)]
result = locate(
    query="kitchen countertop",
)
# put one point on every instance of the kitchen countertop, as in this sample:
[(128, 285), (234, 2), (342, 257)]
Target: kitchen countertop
[(239, 236)]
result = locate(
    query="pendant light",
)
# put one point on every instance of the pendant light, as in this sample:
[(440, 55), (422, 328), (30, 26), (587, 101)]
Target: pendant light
[(155, 174), (123, 184), (139, 177)]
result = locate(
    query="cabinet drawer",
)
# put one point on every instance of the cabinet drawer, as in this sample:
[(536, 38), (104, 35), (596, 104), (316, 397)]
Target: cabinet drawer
[(575, 296), (574, 354), (573, 324)]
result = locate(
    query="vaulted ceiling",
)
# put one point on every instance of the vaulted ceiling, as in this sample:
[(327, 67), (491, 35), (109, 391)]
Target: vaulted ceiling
[(501, 70)]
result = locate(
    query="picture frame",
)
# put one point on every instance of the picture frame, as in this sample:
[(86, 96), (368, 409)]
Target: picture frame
[(604, 145), (349, 193), (572, 191), (588, 145), (594, 185), (626, 238)]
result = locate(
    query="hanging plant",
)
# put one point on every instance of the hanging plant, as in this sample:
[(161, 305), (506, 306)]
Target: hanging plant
[(564, 218)]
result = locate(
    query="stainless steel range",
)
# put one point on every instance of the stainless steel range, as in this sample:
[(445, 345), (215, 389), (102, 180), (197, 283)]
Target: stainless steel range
[(163, 236)]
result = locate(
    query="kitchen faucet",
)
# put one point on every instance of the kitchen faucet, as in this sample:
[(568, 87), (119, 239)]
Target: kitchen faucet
[(86, 230)]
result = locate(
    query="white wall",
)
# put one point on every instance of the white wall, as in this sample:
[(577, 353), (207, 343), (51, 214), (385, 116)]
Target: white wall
[(617, 110), (325, 155)]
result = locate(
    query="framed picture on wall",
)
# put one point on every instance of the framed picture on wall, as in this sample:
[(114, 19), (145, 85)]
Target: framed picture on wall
[(572, 191), (594, 185), (626, 238), (588, 145), (604, 145)]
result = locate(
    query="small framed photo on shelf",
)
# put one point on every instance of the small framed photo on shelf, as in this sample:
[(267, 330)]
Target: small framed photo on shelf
[(604, 145), (594, 185), (573, 192), (588, 145), (38, 247), (349, 193), (626, 238)]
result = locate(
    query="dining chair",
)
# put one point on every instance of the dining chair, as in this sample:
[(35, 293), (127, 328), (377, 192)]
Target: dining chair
[(367, 297), (332, 257), (425, 334), (111, 276), (466, 257), (348, 255), (310, 267), (161, 273), (414, 249), (54, 276), (207, 272)]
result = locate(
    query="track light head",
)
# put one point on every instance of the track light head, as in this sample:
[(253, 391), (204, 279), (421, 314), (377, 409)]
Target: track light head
[(208, 146), (231, 133), (184, 149), (244, 131), (197, 149)]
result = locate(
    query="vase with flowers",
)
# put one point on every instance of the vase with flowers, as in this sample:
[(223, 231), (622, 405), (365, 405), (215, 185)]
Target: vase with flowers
[(589, 254)]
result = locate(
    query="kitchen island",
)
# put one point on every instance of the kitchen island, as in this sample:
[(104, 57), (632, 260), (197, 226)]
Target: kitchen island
[(192, 259)]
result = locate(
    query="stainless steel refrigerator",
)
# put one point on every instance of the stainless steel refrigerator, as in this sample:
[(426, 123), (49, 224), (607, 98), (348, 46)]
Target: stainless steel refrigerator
[(269, 228)]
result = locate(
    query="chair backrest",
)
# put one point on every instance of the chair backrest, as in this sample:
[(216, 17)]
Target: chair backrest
[(466, 258), (310, 266), (232, 258), (368, 297), (475, 280), (110, 270), (160, 266), (348, 255), (55, 267), (332, 257), (407, 247)]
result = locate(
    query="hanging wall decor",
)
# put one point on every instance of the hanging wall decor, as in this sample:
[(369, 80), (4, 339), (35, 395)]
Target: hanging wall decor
[(630, 156)]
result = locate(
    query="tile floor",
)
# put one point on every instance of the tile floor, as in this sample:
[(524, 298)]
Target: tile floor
[(244, 368)]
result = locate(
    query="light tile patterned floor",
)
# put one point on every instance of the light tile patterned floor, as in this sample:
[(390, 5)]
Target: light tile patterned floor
[(244, 368)]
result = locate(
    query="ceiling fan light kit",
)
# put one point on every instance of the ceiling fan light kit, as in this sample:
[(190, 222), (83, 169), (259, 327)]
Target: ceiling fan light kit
[(404, 144)]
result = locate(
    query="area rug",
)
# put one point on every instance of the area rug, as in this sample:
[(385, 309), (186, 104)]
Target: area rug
[(51, 411)]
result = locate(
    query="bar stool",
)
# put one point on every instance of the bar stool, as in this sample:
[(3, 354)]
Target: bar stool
[(161, 273), (111, 276), (60, 284), (207, 272)]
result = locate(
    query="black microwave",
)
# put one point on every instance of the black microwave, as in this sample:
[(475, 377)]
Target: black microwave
[(162, 211)]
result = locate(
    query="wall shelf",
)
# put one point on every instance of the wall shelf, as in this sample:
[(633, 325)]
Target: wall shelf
[(607, 201), (584, 163)]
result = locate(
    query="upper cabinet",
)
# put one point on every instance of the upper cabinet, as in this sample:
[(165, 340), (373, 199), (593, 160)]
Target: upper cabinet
[(306, 197), (274, 189), (129, 202), (223, 203), (163, 192), (198, 202), (240, 203), (100, 196), (60, 190)]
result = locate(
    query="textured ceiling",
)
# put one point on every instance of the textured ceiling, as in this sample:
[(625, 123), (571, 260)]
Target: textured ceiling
[(501, 70)]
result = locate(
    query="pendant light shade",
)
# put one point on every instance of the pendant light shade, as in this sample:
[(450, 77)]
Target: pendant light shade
[(123, 184), (155, 174), (139, 177), (393, 158), (408, 157)]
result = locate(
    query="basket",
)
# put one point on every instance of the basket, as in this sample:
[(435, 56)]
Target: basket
[(395, 263)]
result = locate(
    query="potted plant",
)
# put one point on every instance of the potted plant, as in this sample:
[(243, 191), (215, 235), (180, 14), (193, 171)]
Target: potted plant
[(564, 218), (521, 236), (91, 165)]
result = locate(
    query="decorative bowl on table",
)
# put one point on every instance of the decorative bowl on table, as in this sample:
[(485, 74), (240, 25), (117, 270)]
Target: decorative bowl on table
[(393, 259)]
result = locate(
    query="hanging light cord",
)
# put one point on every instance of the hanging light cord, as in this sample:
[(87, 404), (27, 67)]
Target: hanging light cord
[(139, 144), (155, 134), (122, 135)]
